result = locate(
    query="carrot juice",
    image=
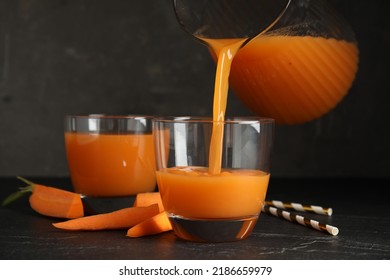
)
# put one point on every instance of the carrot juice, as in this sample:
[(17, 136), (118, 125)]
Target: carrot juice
[(111, 165), (293, 79), (192, 192)]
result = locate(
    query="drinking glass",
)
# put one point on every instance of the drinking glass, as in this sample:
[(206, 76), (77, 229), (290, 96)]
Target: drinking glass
[(110, 156), (205, 203)]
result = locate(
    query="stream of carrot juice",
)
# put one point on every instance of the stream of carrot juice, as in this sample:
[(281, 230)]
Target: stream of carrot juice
[(225, 49), (107, 165), (212, 192)]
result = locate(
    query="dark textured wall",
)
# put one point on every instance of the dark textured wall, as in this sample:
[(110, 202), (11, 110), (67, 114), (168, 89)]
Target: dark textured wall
[(98, 56)]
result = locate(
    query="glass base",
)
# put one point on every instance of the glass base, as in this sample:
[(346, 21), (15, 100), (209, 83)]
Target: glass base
[(213, 230), (100, 205)]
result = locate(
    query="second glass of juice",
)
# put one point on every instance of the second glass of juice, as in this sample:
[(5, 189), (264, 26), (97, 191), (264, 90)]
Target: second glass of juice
[(213, 176), (110, 156)]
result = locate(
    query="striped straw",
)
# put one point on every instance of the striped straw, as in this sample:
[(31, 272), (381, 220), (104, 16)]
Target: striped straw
[(300, 220), (300, 207)]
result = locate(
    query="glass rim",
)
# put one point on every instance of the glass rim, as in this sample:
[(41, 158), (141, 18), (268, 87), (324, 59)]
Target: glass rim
[(108, 124), (200, 119), (108, 116)]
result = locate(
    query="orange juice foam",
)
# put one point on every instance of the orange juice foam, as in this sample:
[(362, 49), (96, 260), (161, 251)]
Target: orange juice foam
[(192, 192), (291, 78), (111, 165)]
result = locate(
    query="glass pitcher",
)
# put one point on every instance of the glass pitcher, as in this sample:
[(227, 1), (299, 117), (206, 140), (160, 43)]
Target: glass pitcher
[(299, 67)]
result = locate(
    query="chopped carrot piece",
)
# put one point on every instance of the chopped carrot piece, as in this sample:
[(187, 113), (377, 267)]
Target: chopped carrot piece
[(148, 198), (49, 201), (55, 202), (119, 219), (154, 225)]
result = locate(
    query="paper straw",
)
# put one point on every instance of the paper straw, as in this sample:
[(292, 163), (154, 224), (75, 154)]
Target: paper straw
[(300, 207), (300, 220)]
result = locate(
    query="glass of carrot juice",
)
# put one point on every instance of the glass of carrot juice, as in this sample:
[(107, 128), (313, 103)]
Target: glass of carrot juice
[(213, 176), (110, 158)]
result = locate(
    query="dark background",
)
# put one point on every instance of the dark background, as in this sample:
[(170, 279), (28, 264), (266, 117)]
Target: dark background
[(130, 57)]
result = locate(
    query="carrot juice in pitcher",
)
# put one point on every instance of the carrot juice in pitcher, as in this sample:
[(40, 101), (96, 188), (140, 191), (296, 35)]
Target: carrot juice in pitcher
[(294, 79), (300, 68)]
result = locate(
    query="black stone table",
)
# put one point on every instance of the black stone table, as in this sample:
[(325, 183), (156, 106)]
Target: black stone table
[(360, 212)]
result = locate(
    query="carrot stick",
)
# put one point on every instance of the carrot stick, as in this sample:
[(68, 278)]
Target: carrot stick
[(57, 203), (148, 198), (119, 219), (50, 201), (154, 225)]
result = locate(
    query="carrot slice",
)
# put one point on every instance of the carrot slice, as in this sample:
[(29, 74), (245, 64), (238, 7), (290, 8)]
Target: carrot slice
[(55, 202), (49, 201), (119, 219), (148, 198), (154, 225)]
